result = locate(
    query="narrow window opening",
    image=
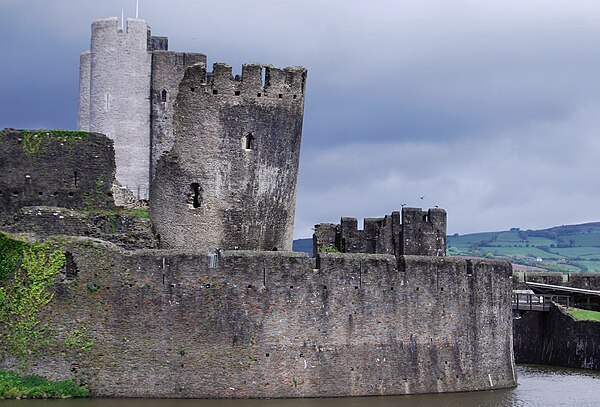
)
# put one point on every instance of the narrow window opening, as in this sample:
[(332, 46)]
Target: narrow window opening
[(291, 286), (75, 179), (163, 96), (196, 194), (39, 193), (107, 98), (392, 288), (259, 94), (295, 96), (266, 77), (15, 193), (249, 286), (281, 96), (469, 269), (424, 218), (237, 93), (274, 249), (71, 194), (215, 92), (417, 288), (266, 354), (249, 141), (0, 193), (193, 89), (70, 267)]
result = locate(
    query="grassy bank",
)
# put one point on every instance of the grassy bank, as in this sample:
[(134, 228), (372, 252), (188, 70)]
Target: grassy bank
[(13, 386), (584, 315)]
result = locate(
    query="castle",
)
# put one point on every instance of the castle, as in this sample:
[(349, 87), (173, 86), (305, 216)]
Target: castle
[(204, 299), (232, 143)]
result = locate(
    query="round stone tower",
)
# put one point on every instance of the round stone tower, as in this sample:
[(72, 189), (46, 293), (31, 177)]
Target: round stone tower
[(116, 73), (230, 179)]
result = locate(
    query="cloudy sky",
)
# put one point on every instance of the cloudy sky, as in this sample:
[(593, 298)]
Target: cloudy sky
[(490, 110)]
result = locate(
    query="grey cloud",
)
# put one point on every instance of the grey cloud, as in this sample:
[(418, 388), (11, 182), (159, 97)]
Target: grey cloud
[(487, 108)]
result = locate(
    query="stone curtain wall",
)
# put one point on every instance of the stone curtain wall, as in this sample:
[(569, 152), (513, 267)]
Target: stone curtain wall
[(54, 168), (271, 325), (230, 179), (554, 338)]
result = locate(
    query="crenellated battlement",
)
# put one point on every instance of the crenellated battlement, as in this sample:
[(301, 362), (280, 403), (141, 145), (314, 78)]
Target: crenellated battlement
[(256, 81), (419, 233)]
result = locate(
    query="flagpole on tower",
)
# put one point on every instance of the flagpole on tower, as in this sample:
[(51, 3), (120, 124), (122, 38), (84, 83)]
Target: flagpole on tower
[(137, 8), (122, 18)]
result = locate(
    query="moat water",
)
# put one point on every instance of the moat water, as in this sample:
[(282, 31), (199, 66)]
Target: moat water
[(538, 386)]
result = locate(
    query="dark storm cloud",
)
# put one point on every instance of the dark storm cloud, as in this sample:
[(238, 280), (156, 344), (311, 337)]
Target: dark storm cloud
[(487, 108)]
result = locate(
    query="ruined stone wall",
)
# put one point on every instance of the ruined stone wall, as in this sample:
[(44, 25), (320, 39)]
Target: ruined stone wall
[(419, 232), (269, 324), (119, 89), (125, 229), (555, 338), (167, 72), (230, 178), (46, 168)]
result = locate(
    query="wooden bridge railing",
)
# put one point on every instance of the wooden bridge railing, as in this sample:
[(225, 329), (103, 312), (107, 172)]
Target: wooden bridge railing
[(538, 302)]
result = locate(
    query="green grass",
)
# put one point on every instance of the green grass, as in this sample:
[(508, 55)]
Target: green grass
[(584, 315), (13, 385)]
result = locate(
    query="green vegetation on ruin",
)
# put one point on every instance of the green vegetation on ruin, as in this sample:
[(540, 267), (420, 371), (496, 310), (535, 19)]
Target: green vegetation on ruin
[(563, 248), (14, 386), (120, 211), (30, 271), (33, 140), (583, 315)]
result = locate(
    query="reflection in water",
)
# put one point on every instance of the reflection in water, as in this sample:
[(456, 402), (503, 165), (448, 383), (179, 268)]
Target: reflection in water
[(538, 386)]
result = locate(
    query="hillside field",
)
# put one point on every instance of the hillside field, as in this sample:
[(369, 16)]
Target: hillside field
[(561, 248)]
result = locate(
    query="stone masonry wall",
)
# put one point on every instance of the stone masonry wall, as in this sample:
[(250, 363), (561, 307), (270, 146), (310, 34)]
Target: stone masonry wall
[(41, 168), (166, 324), (230, 178), (412, 232), (119, 91), (167, 72), (555, 338)]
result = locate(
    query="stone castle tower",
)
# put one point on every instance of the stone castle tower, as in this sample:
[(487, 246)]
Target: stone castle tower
[(216, 154), (127, 86)]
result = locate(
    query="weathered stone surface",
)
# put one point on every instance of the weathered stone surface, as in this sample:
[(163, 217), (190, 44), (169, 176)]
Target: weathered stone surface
[(40, 168), (555, 338), (269, 324), (120, 227), (230, 178), (420, 233), (167, 71)]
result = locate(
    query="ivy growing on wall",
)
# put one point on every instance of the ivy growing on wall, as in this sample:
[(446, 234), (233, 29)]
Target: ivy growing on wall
[(23, 293)]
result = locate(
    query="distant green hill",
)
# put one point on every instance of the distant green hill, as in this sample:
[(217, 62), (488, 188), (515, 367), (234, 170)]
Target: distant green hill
[(303, 245), (561, 248)]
